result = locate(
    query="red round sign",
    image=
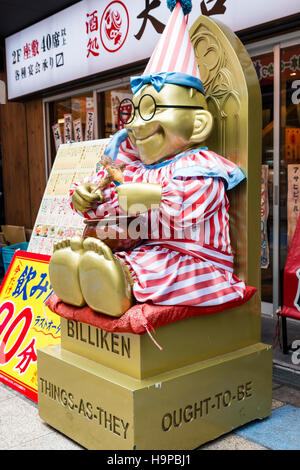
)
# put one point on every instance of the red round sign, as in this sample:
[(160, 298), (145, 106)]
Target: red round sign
[(114, 26)]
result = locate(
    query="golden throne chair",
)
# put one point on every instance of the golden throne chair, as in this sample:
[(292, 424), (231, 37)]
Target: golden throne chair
[(234, 99), (213, 373)]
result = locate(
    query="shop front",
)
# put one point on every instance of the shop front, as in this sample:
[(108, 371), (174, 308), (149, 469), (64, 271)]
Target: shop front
[(278, 68), (67, 75)]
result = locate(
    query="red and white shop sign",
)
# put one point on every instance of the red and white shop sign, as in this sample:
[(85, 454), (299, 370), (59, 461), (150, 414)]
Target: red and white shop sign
[(93, 36)]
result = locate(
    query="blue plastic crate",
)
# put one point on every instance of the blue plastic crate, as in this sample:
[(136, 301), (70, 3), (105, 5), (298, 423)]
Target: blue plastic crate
[(9, 251)]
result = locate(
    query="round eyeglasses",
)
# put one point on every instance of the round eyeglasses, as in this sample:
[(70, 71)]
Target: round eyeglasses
[(146, 108)]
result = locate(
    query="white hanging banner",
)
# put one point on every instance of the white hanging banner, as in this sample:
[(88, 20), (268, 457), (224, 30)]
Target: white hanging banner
[(89, 125), (293, 200), (57, 135), (2, 92), (67, 128), (77, 130)]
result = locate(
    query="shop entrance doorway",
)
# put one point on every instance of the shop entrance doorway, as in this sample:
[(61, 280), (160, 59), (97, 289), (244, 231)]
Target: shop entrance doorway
[(277, 63)]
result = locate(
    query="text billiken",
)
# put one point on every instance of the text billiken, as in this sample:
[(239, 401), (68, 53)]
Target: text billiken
[(95, 337)]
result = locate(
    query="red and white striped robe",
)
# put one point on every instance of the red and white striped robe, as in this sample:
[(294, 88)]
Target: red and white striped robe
[(187, 258)]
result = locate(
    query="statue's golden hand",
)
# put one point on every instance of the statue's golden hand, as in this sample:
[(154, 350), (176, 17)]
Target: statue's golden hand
[(136, 198), (86, 196)]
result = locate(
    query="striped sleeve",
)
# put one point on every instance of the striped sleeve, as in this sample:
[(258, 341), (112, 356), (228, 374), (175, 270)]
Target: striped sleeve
[(110, 206), (188, 201)]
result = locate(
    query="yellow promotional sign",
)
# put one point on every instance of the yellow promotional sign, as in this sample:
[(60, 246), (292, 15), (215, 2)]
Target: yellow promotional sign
[(25, 322)]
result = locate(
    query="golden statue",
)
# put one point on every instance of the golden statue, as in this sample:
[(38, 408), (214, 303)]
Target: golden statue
[(213, 373), (168, 178)]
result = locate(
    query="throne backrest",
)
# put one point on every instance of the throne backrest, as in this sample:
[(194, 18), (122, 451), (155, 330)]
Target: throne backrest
[(234, 99)]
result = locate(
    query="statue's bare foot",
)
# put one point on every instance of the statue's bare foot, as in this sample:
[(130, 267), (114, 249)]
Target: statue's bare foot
[(63, 271), (104, 281)]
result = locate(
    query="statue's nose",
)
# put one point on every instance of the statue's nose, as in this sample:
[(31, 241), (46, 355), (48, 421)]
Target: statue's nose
[(140, 128)]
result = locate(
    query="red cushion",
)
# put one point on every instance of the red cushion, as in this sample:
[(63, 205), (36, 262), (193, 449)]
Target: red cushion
[(139, 318), (290, 312)]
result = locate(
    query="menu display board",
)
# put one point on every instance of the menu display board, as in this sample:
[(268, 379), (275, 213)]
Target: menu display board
[(56, 220)]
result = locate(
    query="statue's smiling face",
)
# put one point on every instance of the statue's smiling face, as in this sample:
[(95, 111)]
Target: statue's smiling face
[(169, 130)]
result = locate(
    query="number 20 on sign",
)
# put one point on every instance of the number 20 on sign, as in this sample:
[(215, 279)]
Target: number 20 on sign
[(25, 322)]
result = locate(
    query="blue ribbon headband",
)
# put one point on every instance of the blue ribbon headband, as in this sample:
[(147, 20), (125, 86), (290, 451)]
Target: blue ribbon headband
[(160, 78)]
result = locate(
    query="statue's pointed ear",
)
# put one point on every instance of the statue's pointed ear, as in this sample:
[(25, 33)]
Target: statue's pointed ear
[(202, 126)]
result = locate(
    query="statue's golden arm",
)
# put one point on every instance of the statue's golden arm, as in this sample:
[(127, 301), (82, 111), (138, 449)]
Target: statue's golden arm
[(86, 196), (135, 198)]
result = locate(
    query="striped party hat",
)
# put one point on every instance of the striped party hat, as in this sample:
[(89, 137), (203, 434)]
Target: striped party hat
[(173, 60)]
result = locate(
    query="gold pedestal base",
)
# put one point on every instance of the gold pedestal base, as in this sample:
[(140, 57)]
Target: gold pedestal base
[(101, 408), (183, 342)]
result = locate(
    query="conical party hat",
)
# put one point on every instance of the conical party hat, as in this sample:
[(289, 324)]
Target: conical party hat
[(173, 59)]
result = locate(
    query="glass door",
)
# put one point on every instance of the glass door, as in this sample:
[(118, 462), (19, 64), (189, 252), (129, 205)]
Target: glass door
[(277, 63), (289, 147)]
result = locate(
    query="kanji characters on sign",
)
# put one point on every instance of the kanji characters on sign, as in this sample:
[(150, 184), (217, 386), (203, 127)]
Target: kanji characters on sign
[(92, 25)]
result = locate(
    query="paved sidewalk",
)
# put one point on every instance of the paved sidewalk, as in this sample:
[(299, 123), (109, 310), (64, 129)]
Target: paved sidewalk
[(21, 428)]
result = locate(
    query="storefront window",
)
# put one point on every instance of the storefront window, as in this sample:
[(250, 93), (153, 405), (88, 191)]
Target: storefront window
[(290, 147), (82, 117), (289, 168), (265, 71), (71, 119)]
